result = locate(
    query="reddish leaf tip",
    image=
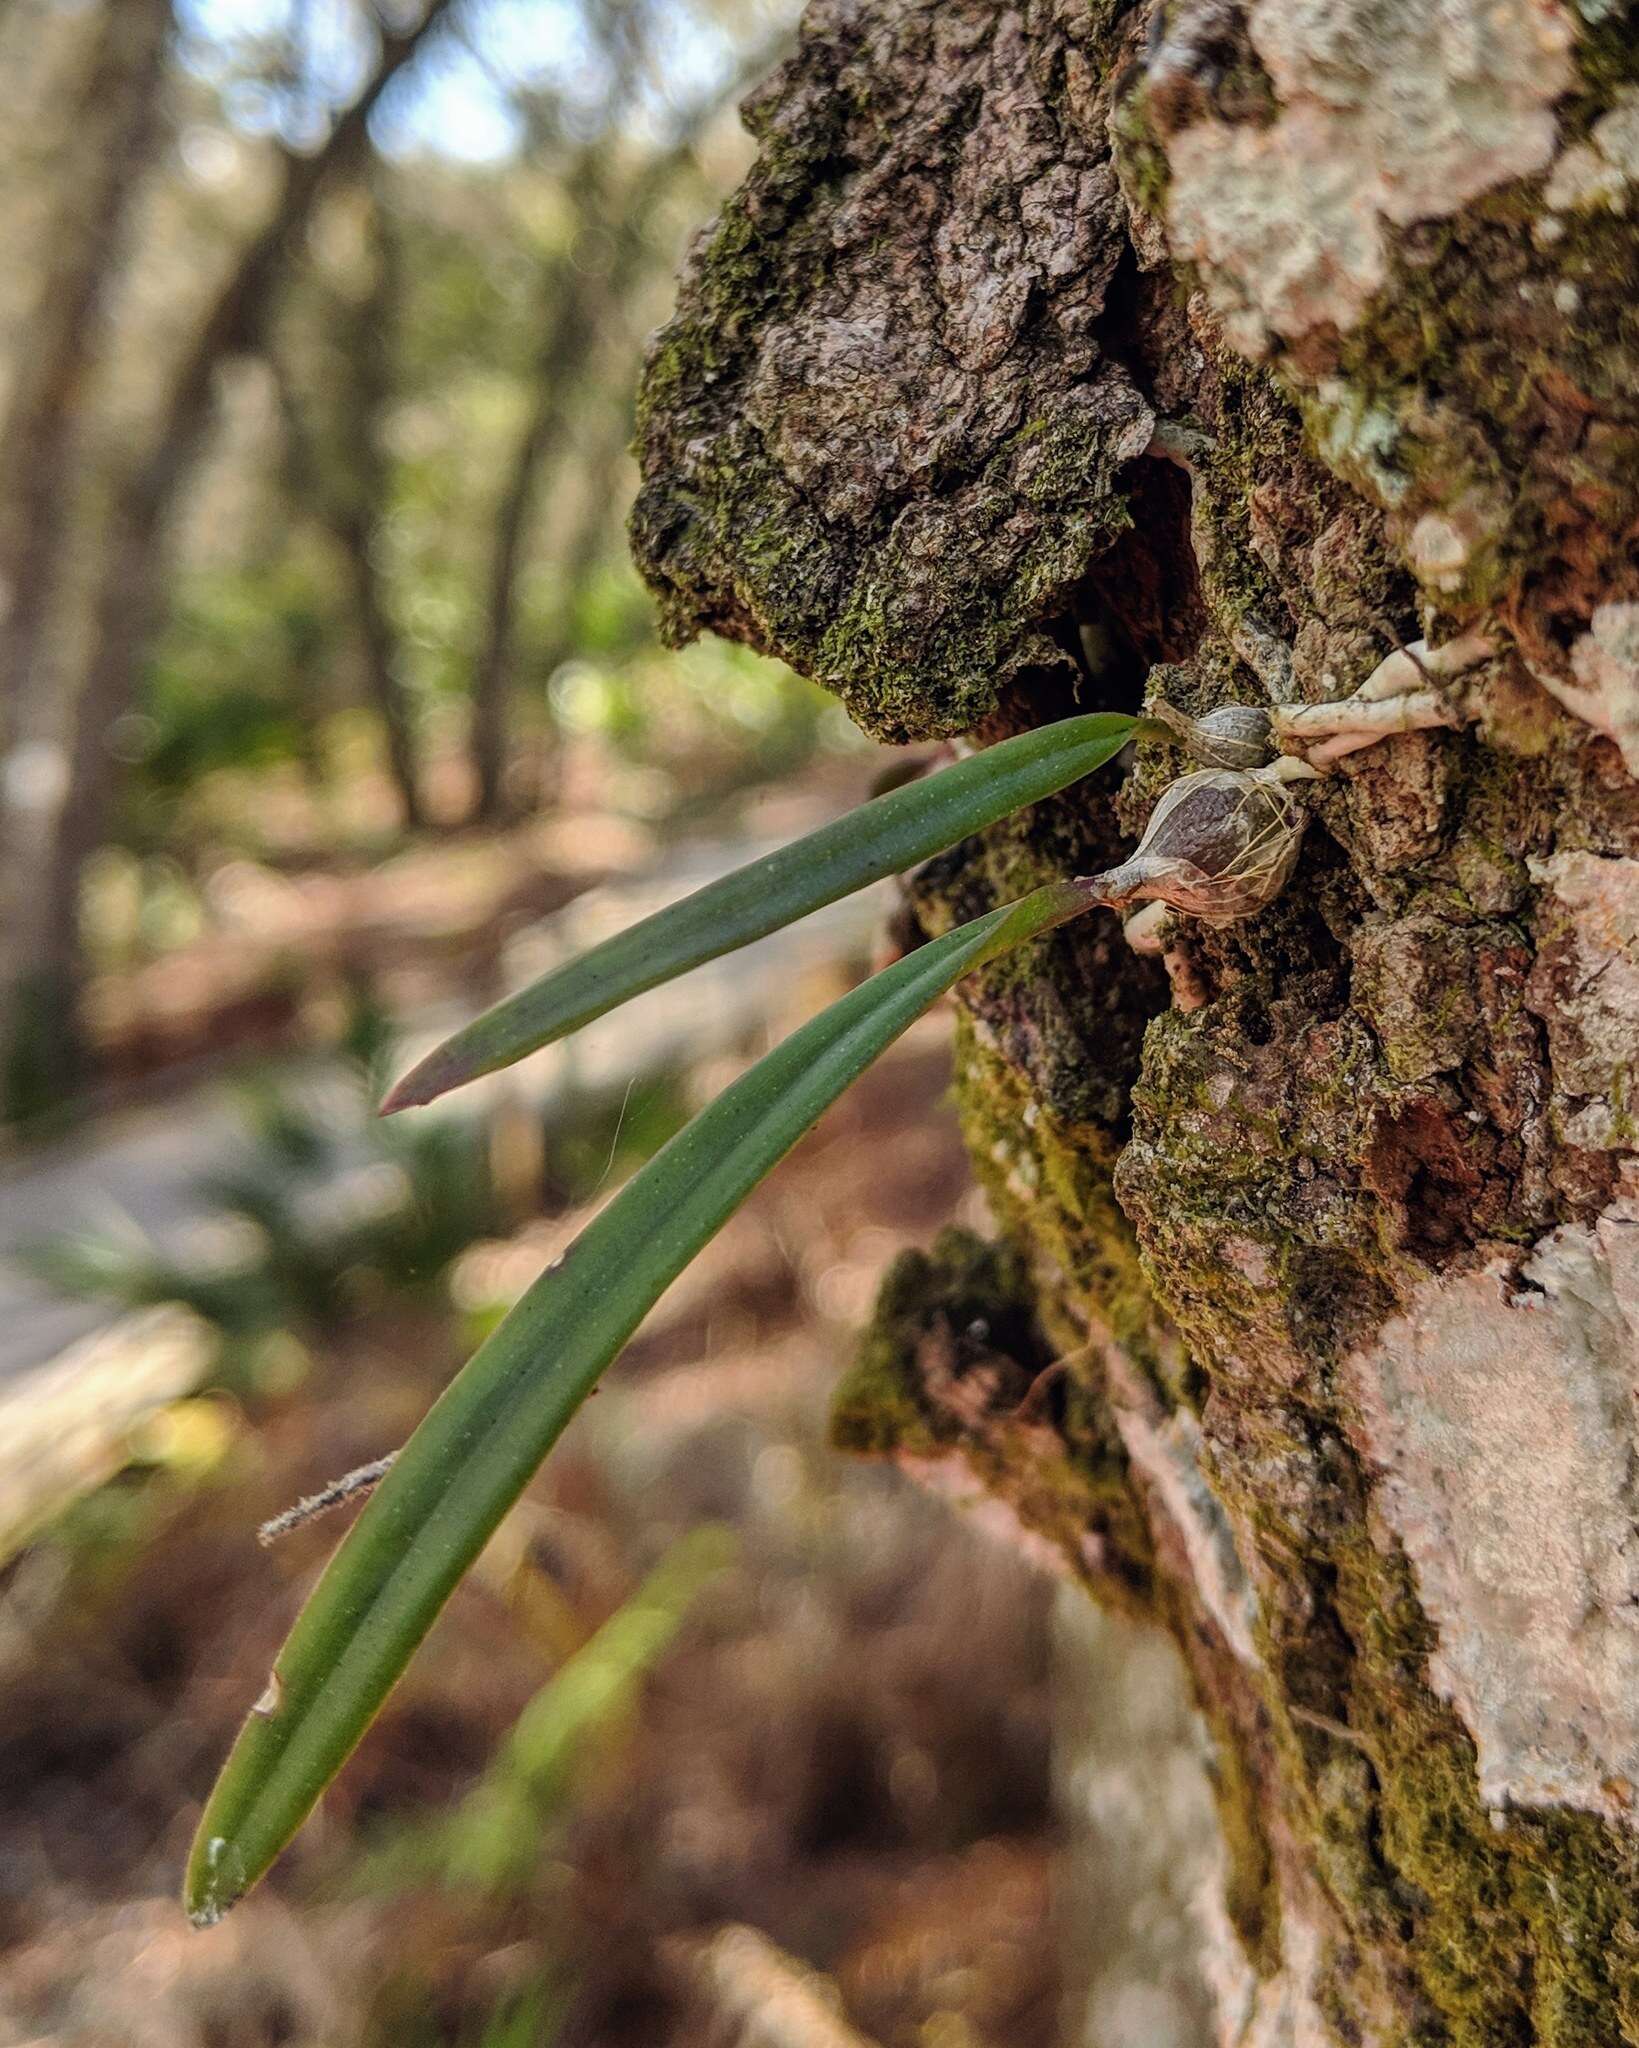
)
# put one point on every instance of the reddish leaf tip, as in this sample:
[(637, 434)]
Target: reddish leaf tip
[(414, 1090)]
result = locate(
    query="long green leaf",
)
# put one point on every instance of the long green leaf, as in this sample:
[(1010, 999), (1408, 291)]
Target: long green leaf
[(883, 837), (480, 1444)]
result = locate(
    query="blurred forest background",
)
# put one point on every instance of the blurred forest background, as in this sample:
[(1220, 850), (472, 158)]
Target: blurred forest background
[(320, 337), (330, 708)]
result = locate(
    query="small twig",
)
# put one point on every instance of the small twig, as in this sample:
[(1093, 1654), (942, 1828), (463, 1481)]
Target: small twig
[(361, 1480), (1327, 1725)]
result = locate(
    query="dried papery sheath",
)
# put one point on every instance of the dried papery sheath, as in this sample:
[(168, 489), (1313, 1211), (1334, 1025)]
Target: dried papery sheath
[(1233, 736), (1220, 844)]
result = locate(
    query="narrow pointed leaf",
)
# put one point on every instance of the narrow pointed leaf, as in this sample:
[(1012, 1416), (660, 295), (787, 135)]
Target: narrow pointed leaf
[(480, 1444), (883, 837)]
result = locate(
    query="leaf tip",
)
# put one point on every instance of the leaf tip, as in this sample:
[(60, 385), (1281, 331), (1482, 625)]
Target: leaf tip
[(425, 1082), (215, 1881)]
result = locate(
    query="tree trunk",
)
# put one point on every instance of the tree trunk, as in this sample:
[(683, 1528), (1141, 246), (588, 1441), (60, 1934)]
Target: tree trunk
[(363, 510), (570, 327), (342, 474), (116, 131), (578, 308), (116, 128), (40, 965), (1057, 352)]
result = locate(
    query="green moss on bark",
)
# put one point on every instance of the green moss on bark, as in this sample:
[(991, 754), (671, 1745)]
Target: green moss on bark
[(905, 523), (955, 1364), (1052, 1183), (1503, 1929)]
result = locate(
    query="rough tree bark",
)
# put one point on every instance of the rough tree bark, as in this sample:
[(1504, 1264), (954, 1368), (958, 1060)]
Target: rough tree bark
[(1059, 350)]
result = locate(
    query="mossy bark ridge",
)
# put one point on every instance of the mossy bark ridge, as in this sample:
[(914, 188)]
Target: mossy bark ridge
[(1054, 352)]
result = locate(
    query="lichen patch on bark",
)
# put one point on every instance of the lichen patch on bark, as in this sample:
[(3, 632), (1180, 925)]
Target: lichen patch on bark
[(1168, 1451), (1596, 175), (1287, 216), (1499, 1409), (1166, 1965), (1586, 990)]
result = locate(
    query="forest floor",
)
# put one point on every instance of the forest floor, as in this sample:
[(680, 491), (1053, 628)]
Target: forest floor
[(806, 1758), (810, 1757), (200, 1038), (144, 1164)]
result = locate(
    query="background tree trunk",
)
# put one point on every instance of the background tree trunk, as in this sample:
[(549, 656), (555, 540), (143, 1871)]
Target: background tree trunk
[(117, 130), (343, 474), (1053, 353), (576, 314), (40, 959), (569, 325)]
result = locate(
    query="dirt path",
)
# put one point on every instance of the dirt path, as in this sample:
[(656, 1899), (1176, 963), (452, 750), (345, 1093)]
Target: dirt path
[(77, 1376)]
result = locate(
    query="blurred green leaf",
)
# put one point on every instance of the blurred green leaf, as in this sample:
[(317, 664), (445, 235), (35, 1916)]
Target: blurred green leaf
[(491, 1843), (493, 1837), (880, 838), (480, 1445)]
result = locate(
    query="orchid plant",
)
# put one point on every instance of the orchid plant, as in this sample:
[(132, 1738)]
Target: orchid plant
[(1220, 843)]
